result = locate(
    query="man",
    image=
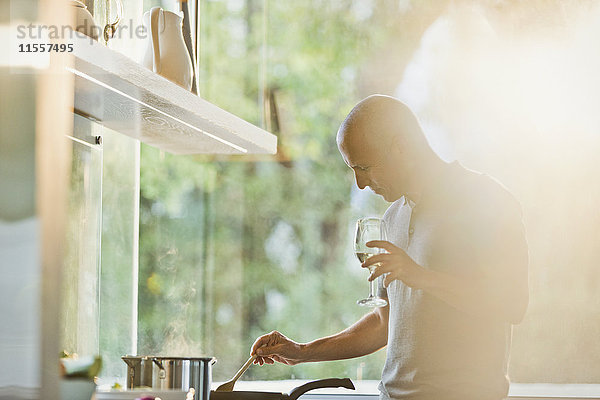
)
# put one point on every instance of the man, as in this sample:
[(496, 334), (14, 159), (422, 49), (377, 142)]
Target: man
[(455, 271)]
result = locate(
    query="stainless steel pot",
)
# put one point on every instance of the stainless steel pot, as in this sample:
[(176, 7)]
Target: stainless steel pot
[(159, 372)]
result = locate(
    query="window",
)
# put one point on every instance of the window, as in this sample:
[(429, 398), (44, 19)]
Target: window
[(99, 290), (233, 247)]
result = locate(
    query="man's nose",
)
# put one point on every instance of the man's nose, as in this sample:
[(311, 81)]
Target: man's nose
[(361, 180)]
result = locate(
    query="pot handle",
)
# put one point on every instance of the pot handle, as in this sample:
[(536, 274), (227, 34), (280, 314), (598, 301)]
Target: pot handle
[(162, 373), (323, 383), (131, 362)]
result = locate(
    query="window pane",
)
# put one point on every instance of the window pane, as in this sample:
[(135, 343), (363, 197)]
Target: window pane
[(118, 288), (99, 291), (234, 247), (231, 248), (79, 292)]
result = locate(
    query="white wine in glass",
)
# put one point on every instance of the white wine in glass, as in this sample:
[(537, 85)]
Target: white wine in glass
[(368, 229)]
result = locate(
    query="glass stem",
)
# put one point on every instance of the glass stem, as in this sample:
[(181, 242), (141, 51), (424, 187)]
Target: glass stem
[(372, 287)]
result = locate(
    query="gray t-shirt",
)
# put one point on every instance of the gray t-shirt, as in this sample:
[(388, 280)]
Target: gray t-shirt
[(468, 225)]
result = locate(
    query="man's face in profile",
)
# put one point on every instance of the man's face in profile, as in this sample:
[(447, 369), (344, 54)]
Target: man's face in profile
[(377, 164)]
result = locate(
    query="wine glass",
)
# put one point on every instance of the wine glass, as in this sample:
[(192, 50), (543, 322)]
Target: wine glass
[(368, 229)]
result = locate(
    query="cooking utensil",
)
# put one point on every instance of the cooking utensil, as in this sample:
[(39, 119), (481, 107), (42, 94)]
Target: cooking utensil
[(159, 372), (139, 371), (228, 386), (293, 395)]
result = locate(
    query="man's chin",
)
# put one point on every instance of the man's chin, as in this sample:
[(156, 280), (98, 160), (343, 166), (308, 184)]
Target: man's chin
[(383, 194), (378, 192), (388, 197)]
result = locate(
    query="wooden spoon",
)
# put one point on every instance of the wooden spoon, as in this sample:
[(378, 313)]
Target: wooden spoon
[(228, 386)]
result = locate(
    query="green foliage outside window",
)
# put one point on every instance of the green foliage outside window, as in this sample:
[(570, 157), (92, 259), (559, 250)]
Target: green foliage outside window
[(231, 248)]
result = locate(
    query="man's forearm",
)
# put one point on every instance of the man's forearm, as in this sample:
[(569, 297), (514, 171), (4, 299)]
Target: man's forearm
[(366, 336), (484, 299)]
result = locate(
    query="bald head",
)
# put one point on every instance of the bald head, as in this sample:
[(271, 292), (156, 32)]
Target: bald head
[(382, 142), (380, 120)]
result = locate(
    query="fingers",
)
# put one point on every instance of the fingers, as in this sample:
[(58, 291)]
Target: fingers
[(274, 350), (257, 344), (375, 259), (264, 351), (265, 340), (263, 360), (272, 347), (260, 342), (383, 244), (260, 360), (271, 360), (389, 278), (281, 360), (379, 270), (266, 348)]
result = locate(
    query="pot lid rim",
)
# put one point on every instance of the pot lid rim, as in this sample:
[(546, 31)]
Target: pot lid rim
[(207, 358)]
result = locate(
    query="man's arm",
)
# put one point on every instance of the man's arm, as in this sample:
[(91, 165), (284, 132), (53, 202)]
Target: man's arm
[(480, 297), (495, 283), (366, 336), (502, 296)]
